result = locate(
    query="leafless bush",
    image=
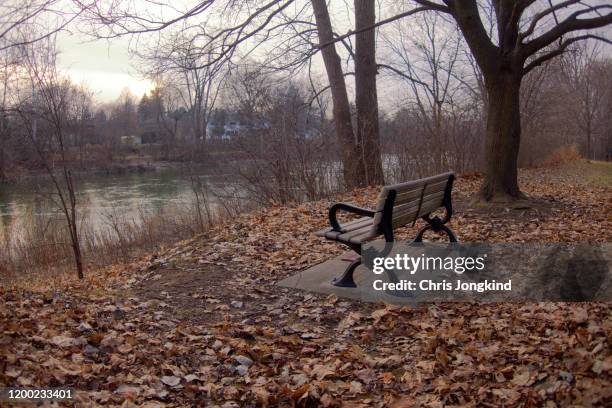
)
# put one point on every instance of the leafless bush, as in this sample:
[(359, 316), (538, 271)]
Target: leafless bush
[(41, 244), (410, 153), (286, 152), (563, 155), (567, 103)]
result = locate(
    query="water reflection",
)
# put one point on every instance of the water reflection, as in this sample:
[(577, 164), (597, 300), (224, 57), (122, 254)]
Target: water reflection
[(99, 197)]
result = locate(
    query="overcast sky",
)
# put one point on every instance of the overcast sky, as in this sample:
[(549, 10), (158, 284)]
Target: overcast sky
[(102, 65)]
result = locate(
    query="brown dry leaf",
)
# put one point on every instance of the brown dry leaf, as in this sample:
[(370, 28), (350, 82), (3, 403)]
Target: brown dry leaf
[(321, 371), (521, 377), (580, 315), (262, 395), (128, 391), (377, 315), (356, 387), (509, 395), (231, 393), (171, 380), (64, 341), (350, 320)]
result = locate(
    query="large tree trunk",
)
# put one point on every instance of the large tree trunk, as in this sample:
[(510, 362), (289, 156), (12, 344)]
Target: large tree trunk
[(354, 171), (502, 138), (366, 99)]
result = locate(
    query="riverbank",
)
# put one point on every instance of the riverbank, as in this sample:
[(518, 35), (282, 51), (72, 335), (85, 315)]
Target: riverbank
[(202, 321), (119, 167), (128, 163), (120, 217)]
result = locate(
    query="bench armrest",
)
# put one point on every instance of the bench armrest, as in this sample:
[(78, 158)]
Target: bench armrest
[(333, 221)]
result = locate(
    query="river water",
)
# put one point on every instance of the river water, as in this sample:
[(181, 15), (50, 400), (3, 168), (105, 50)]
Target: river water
[(128, 195), (125, 196)]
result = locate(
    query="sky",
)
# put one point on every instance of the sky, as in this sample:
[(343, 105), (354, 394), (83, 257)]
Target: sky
[(103, 66)]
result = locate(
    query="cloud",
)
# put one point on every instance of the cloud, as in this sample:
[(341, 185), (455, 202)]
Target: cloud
[(108, 85), (101, 65)]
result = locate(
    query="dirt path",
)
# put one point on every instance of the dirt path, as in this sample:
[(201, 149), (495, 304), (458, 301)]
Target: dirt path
[(189, 294)]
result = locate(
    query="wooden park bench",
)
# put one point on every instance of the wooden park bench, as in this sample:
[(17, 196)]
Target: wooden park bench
[(398, 205)]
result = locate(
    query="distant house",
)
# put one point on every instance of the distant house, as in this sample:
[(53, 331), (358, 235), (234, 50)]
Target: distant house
[(232, 129), (307, 134), (211, 127), (235, 125), (131, 140)]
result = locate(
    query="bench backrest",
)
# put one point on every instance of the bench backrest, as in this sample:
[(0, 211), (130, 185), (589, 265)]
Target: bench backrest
[(400, 204)]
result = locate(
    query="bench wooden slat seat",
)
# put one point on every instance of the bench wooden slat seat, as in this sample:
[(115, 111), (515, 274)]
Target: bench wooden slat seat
[(397, 206)]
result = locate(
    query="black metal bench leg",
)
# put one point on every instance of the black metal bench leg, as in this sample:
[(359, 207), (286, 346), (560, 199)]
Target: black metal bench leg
[(346, 280), (448, 231), (419, 237)]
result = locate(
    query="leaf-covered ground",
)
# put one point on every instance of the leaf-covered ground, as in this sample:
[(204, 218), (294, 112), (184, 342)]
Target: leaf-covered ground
[(202, 324)]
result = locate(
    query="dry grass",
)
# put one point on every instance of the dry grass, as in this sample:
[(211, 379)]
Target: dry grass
[(39, 250), (563, 155)]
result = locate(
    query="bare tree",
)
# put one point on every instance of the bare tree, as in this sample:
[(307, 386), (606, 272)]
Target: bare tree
[(22, 23), (173, 112), (366, 96), (605, 117), (579, 72), (25, 22), (54, 106), (248, 91), (8, 72), (124, 119), (352, 167), (528, 34), (290, 156), (425, 55), (177, 58), (538, 115)]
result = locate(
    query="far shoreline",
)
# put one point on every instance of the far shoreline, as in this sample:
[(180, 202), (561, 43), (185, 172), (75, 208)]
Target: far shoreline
[(115, 169)]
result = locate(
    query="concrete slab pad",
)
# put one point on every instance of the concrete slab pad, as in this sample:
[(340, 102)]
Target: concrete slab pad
[(545, 272), (319, 277)]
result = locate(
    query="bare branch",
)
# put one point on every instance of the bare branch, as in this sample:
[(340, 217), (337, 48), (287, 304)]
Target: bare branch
[(34, 14), (386, 21), (467, 16), (318, 93), (571, 23), (561, 49), (401, 74), (536, 18), (433, 5), (118, 20)]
